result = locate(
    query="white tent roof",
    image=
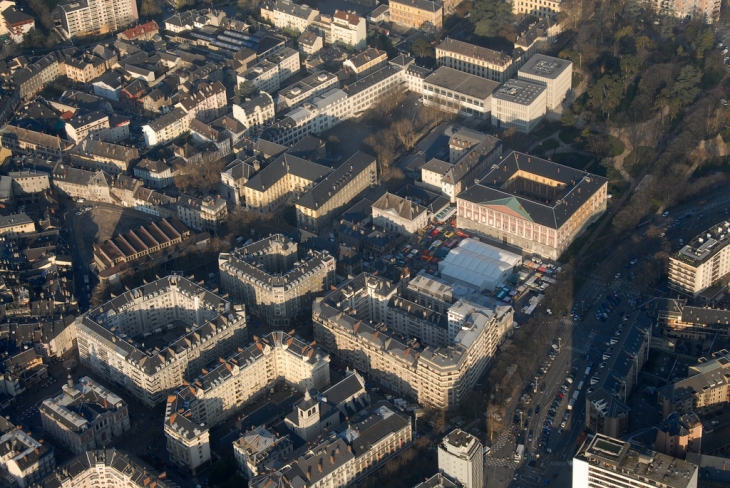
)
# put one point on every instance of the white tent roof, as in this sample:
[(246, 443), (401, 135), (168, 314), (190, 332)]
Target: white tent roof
[(478, 264)]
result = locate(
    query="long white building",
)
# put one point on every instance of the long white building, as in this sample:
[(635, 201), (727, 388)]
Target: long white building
[(243, 376), (149, 339), (95, 17), (553, 73)]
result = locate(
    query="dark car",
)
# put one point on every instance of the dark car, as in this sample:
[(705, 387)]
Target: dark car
[(537, 409)]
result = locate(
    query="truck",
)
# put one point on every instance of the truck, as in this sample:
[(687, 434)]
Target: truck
[(571, 403), (588, 370), (519, 452)]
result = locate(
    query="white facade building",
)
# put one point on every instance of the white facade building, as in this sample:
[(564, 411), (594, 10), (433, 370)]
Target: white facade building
[(519, 104), (554, 73), (701, 262), (460, 457), (268, 74), (349, 29)]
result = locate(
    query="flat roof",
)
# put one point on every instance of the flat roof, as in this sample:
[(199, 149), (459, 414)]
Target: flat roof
[(520, 92), (546, 66), (458, 81)]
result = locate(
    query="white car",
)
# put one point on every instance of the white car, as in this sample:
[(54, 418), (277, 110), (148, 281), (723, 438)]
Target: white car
[(618, 275)]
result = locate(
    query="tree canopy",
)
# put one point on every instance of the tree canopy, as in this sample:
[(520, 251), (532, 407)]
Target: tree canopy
[(489, 16)]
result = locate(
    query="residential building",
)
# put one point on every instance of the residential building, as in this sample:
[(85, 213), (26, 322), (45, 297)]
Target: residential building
[(457, 92), (17, 23), (606, 414), (110, 337), (109, 85), (104, 468), (707, 10), (439, 480), (366, 91), (206, 214), (368, 61), (34, 77), (606, 462), (24, 460), (143, 32), (235, 176), (286, 14), (207, 104), (310, 42), (421, 14), (679, 435), (29, 142), (356, 323), (285, 177), (94, 17), (255, 113), (532, 203), (218, 393), (398, 214), (84, 416), (92, 124), (349, 29), (258, 446), (347, 458), (162, 236), (698, 266), (538, 8), (82, 184), (519, 104), (84, 69), (306, 90), (476, 60), (380, 14), (554, 73), (268, 74), (316, 208), (155, 174), (269, 278), (23, 371), (706, 387), (16, 225), (98, 155), (678, 320), (461, 458), (194, 19), (29, 185), (166, 128)]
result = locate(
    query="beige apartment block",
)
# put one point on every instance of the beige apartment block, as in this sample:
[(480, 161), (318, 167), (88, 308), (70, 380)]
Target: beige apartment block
[(272, 281), (223, 390), (426, 14), (538, 8), (699, 265), (152, 337)]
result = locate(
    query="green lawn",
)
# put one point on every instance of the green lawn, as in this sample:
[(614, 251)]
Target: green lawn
[(617, 147)]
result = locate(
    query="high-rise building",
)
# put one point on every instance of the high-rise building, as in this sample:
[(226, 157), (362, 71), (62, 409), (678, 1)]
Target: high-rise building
[(94, 17), (460, 457), (702, 262)]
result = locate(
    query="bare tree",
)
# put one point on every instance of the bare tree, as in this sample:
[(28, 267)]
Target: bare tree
[(384, 144), (403, 129)]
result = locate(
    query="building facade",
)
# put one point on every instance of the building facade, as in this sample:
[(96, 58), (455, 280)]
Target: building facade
[(702, 262), (25, 459), (554, 73), (398, 214), (114, 338), (480, 61), (95, 17), (426, 14), (461, 458), (271, 280), (457, 92), (533, 203), (519, 104)]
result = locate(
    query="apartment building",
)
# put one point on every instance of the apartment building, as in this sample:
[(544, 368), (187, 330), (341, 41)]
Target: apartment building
[(16, 225), (347, 458), (95, 17), (479, 61), (92, 124), (457, 92), (555, 74), (258, 446), (126, 340), (207, 214), (268, 74), (352, 323), (207, 104), (316, 208), (676, 319), (194, 19), (707, 10), (368, 61), (606, 414), (698, 266), (32, 143), (706, 387), (84, 69), (236, 174), (23, 459), (532, 203), (34, 77), (519, 104), (461, 458), (255, 113), (271, 280), (98, 155), (398, 214), (349, 29), (223, 390), (17, 23), (538, 8), (285, 177), (306, 90), (166, 128), (143, 32), (421, 14), (68, 416), (104, 467), (79, 183), (28, 185), (679, 435), (286, 14), (606, 462), (310, 43)]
